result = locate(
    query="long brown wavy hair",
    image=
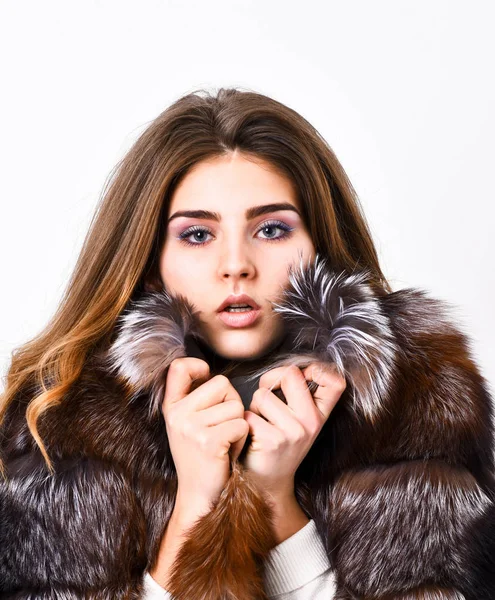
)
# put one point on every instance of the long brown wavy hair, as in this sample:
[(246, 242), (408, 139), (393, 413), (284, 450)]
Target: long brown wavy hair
[(122, 247)]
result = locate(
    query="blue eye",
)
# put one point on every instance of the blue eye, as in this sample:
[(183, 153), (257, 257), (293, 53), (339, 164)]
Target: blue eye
[(189, 231), (277, 225), (198, 229)]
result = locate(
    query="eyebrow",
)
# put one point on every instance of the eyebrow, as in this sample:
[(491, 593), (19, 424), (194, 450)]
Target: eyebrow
[(251, 213)]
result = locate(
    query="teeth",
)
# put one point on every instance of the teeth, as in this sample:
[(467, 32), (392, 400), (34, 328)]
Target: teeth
[(238, 305), (238, 308)]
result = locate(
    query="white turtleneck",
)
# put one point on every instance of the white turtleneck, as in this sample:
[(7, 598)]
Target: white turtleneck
[(296, 569)]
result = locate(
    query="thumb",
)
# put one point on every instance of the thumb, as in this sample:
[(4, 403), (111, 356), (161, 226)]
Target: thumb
[(236, 447)]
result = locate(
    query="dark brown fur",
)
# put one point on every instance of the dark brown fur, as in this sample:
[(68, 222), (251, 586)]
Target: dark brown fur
[(400, 481)]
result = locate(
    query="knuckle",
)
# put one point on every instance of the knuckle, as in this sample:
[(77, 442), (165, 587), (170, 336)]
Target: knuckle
[(188, 428), (222, 380), (171, 418), (294, 369), (235, 408), (203, 440), (185, 364), (263, 380), (339, 383), (258, 392), (239, 408), (314, 428), (291, 371), (177, 366), (253, 406), (278, 442), (263, 397), (243, 426), (299, 434), (257, 396)]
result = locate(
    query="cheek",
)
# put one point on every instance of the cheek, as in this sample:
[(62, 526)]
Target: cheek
[(276, 270), (180, 274)]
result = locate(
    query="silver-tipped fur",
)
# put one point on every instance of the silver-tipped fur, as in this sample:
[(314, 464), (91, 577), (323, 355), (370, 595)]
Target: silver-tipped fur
[(151, 334), (336, 318), (329, 317)]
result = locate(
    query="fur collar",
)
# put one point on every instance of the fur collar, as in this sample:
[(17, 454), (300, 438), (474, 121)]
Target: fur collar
[(328, 317)]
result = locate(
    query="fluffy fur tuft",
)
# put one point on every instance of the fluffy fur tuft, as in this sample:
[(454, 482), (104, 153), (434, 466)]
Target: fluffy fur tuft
[(336, 318), (214, 554), (151, 333)]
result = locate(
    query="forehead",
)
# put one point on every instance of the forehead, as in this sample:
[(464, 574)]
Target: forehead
[(230, 184)]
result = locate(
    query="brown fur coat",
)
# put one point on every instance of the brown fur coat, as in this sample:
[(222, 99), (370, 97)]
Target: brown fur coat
[(400, 481)]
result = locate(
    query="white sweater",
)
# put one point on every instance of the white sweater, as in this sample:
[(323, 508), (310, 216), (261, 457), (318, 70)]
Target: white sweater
[(296, 569)]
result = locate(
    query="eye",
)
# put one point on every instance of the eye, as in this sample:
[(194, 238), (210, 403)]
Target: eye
[(271, 225), (198, 230), (195, 229)]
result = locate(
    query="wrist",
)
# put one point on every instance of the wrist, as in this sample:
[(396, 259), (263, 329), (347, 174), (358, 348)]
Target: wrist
[(288, 516), (183, 517), (188, 509)]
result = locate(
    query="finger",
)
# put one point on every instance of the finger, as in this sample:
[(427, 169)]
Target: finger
[(228, 434), (273, 378), (237, 446), (181, 374), (279, 414), (184, 373), (259, 428), (331, 385), (213, 415), (296, 391), (214, 391)]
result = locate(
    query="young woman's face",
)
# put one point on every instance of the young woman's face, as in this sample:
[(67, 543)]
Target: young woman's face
[(239, 244)]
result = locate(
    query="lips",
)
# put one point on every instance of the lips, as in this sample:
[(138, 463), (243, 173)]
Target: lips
[(241, 299), (239, 319)]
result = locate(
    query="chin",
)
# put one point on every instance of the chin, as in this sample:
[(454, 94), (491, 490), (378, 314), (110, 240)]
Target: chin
[(243, 344), (240, 347)]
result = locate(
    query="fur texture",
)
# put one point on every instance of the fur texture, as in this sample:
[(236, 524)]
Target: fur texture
[(400, 480)]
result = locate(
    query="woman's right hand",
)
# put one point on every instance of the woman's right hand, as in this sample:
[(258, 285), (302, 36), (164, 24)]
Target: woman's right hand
[(202, 426)]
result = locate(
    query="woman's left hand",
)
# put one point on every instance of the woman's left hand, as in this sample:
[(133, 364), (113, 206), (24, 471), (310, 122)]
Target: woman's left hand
[(280, 443)]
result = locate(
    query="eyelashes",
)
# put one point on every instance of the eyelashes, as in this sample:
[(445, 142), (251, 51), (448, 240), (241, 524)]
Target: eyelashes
[(183, 237)]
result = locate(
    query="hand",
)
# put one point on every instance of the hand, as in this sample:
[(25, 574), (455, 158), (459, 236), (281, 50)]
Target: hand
[(280, 443), (202, 425)]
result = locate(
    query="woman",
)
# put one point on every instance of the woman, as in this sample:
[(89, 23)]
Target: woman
[(216, 200), (242, 248)]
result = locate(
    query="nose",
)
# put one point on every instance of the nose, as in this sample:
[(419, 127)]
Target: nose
[(236, 261)]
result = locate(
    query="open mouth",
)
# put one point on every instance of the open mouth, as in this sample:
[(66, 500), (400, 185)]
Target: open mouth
[(243, 308), (239, 316)]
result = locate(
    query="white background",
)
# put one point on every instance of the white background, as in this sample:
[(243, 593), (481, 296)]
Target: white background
[(402, 91)]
